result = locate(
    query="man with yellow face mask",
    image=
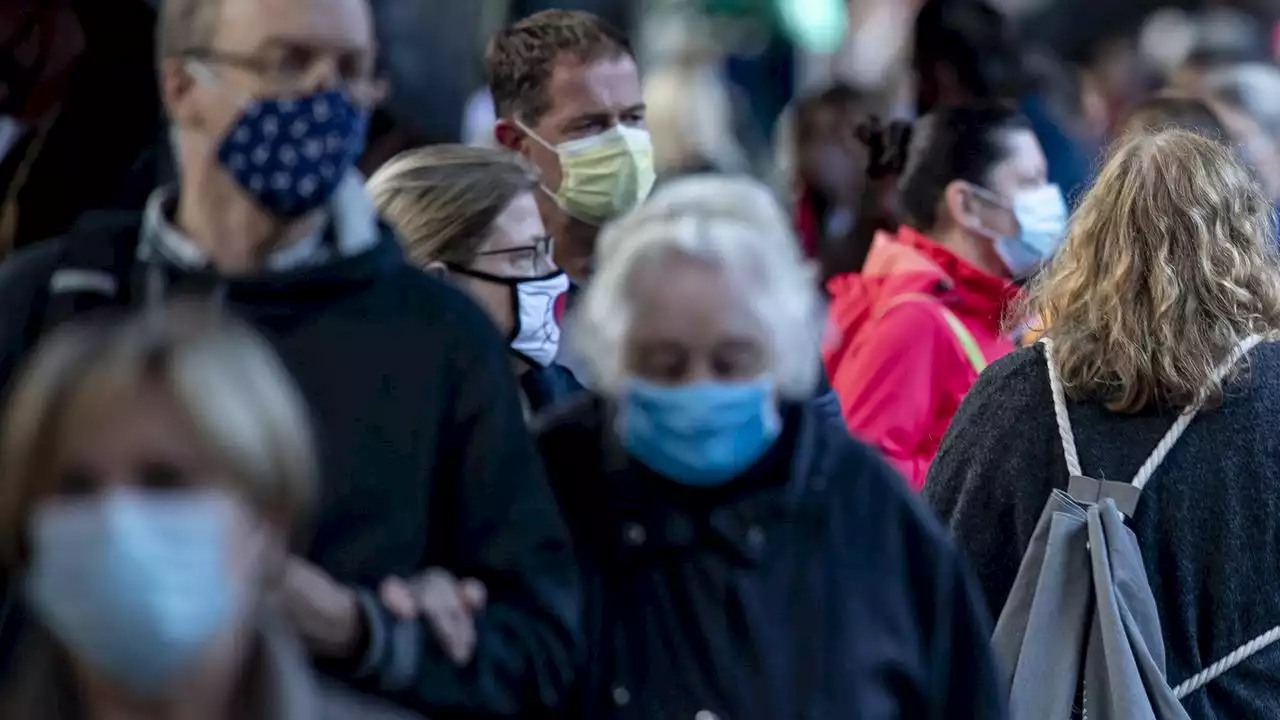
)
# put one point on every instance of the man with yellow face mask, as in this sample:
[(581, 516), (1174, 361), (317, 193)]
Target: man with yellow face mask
[(567, 94)]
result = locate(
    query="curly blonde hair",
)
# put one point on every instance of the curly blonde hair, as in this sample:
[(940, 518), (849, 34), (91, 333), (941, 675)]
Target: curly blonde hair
[(1168, 264)]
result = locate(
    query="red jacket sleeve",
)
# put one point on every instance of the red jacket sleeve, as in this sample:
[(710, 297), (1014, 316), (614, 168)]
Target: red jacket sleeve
[(889, 385)]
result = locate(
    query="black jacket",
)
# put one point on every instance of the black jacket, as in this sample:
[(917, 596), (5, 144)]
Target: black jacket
[(1207, 522), (545, 388), (814, 586), (425, 458)]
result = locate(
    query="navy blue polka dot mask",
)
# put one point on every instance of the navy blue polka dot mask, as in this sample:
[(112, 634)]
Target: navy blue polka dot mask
[(291, 154)]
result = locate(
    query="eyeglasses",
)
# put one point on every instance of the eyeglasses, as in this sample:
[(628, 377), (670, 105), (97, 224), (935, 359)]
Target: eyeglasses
[(288, 69), (533, 259)]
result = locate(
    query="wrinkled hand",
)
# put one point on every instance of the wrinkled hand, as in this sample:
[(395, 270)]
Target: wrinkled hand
[(325, 612), (449, 605)]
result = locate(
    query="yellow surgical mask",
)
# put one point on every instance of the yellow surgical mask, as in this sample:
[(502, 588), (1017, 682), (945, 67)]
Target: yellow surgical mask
[(604, 175)]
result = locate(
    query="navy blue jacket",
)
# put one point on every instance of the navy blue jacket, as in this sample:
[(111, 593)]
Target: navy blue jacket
[(545, 388), (813, 586)]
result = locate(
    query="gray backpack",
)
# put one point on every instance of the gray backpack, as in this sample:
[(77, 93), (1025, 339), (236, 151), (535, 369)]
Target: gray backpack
[(1079, 632)]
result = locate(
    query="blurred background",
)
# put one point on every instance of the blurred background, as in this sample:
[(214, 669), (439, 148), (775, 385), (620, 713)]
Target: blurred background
[(721, 77)]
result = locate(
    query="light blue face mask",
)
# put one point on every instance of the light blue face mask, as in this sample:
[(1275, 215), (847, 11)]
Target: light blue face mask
[(701, 434), (1042, 223), (133, 584)]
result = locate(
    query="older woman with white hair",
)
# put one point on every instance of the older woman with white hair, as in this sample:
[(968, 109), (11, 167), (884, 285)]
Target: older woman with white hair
[(744, 557)]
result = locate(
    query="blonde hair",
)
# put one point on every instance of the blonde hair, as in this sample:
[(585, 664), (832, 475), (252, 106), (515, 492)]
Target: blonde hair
[(732, 222), (442, 199), (239, 397), (1168, 264)]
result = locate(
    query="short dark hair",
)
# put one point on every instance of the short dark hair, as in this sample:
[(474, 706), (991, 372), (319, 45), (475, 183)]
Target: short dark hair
[(520, 57), (975, 40), (952, 143), (1168, 110)]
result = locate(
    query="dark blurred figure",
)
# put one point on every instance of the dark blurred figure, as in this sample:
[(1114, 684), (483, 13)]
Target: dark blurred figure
[(78, 105), (967, 50), (831, 167)]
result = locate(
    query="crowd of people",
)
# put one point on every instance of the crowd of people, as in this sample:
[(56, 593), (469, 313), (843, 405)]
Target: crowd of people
[(970, 426)]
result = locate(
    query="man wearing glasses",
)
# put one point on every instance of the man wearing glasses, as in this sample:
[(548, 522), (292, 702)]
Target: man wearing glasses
[(427, 468)]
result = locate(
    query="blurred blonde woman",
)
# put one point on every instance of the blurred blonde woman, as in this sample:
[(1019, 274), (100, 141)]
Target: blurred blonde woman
[(743, 556), (470, 213), (154, 470), (1165, 298)]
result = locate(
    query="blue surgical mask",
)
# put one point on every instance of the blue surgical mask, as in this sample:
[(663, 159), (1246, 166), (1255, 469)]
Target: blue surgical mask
[(1042, 223), (702, 434), (135, 585)]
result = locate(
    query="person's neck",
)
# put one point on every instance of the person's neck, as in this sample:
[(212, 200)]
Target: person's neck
[(235, 234), (974, 250), (575, 241)]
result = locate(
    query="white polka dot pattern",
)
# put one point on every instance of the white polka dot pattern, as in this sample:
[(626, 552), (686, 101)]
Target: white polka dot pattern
[(291, 154)]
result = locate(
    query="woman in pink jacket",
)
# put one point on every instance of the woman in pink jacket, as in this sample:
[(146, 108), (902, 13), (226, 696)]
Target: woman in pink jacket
[(923, 317)]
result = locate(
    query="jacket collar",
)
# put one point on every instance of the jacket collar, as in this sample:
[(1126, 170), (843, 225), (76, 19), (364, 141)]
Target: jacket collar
[(973, 291), (650, 521), (351, 227)]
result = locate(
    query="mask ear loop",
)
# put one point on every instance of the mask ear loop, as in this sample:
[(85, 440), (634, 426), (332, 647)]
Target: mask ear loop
[(986, 196)]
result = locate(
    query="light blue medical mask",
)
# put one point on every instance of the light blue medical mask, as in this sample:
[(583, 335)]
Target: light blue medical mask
[(135, 584), (702, 434), (1042, 223)]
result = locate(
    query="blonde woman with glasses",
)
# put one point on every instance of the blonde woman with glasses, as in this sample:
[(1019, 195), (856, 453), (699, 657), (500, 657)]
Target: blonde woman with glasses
[(470, 214), (154, 471), (1159, 366)]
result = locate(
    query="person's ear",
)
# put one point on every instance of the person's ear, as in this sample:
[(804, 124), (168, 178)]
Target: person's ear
[(509, 135), (960, 204), (177, 92)]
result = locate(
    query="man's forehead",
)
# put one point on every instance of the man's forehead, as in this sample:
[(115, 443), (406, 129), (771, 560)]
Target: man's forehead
[(247, 25), (608, 84)]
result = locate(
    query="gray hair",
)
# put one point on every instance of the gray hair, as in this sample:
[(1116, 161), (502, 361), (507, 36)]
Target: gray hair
[(733, 222), (1254, 88)]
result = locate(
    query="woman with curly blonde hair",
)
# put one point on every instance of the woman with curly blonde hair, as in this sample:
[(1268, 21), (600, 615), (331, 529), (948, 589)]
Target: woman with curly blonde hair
[(1165, 298)]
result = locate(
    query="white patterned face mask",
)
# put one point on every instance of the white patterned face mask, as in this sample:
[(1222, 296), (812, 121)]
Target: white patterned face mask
[(291, 154), (536, 334)]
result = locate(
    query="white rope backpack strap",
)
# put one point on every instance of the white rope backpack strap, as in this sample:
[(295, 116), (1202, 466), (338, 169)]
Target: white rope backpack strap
[(1060, 412), (1180, 426), (1237, 656)]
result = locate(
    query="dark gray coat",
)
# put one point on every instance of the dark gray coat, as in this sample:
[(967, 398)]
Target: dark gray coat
[(1208, 524)]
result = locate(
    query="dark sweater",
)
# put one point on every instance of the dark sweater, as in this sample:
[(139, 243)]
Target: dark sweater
[(424, 452), (1207, 525)]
